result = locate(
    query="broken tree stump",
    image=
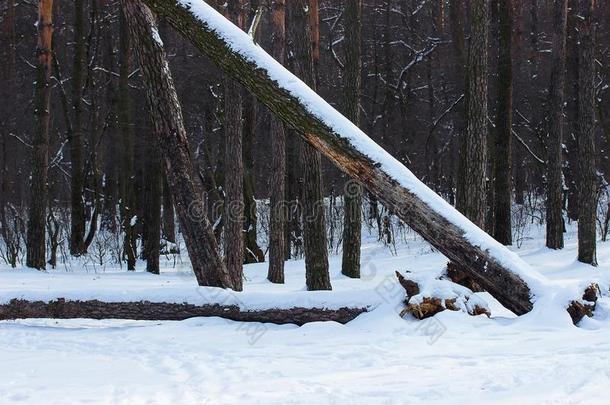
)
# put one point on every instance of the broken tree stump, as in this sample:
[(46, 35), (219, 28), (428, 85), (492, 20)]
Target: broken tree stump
[(489, 263), (163, 311), (579, 308), (422, 303)]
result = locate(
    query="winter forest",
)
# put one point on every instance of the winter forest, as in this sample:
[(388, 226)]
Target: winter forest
[(297, 201)]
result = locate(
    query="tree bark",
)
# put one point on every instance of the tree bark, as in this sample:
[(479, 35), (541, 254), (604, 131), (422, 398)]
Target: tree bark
[(554, 136), (163, 311), (233, 217), (352, 196), (166, 115), (420, 208), (277, 246), (471, 195), (77, 182), (36, 245), (152, 207), (303, 41), (126, 178), (503, 154), (169, 227), (587, 189)]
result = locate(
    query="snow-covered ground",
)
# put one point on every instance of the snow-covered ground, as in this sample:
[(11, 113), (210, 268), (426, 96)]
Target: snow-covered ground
[(377, 358)]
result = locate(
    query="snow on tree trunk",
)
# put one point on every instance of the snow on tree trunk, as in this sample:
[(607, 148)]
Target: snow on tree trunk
[(501, 272)]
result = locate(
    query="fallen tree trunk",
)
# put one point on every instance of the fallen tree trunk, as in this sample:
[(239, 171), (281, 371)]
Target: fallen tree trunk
[(163, 311), (487, 262)]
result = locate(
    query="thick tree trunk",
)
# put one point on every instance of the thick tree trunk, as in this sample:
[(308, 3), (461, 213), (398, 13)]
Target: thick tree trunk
[(169, 226), (303, 21), (587, 190), (233, 217), (471, 194), (77, 183), (36, 245), (126, 181), (277, 246), (503, 153), (554, 136), (354, 153), (163, 311), (352, 196), (166, 115)]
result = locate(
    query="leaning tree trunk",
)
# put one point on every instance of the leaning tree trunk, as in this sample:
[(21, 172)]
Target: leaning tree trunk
[(277, 246), (554, 197), (36, 246), (472, 195), (352, 196), (587, 190), (169, 126), (503, 152), (495, 268), (303, 41)]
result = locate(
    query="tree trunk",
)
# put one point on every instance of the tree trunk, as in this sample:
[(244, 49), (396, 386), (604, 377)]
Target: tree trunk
[(471, 195), (277, 246), (152, 207), (302, 39), (554, 136), (36, 245), (503, 154), (163, 311), (587, 190), (233, 217), (77, 209), (354, 153), (352, 196), (166, 115), (126, 181), (169, 227)]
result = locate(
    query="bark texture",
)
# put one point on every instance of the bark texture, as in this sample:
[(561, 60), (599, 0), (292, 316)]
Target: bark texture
[(277, 245), (471, 193), (303, 42), (432, 225), (587, 184), (352, 196), (554, 136), (163, 311), (166, 115), (36, 244), (233, 217), (503, 153)]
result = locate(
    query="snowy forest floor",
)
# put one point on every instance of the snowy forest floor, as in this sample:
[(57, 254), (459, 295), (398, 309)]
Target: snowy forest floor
[(377, 358)]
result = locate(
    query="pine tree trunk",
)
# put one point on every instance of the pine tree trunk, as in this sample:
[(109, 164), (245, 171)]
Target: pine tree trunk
[(233, 218), (554, 136), (352, 197), (503, 153), (587, 195), (169, 226), (422, 210), (152, 207), (77, 209), (314, 227), (277, 245), (36, 245), (166, 115), (471, 196), (126, 183)]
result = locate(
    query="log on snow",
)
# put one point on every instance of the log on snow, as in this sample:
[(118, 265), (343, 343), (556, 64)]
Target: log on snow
[(487, 262), (163, 311)]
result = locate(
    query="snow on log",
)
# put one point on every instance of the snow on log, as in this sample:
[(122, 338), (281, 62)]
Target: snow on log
[(163, 311), (499, 271), (585, 306), (426, 298)]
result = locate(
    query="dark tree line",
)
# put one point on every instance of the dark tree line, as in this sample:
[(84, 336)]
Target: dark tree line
[(489, 103)]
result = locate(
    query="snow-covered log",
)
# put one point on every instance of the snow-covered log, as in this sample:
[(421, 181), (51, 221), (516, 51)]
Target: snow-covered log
[(163, 311), (490, 264)]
